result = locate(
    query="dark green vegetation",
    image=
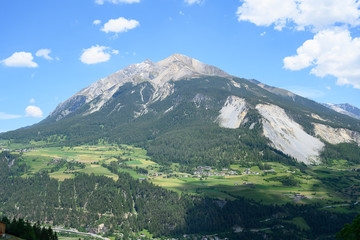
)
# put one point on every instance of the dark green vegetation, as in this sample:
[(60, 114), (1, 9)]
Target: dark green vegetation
[(187, 134), (26, 230), (350, 231), (71, 180), (349, 152), (128, 205)]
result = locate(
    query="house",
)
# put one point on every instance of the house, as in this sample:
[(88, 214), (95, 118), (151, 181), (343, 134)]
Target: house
[(248, 183), (247, 171), (2, 228)]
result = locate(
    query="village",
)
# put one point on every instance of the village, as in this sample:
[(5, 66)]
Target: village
[(208, 171), (22, 150)]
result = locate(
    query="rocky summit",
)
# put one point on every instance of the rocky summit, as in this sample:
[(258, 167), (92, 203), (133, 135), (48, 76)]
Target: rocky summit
[(148, 103)]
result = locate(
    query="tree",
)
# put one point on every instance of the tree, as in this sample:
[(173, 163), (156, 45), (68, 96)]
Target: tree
[(350, 231)]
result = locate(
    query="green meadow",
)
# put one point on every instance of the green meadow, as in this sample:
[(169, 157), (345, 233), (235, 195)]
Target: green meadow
[(91, 159), (316, 183)]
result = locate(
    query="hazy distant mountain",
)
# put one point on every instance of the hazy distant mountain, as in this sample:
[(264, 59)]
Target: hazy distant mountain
[(185, 111), (345, 108)]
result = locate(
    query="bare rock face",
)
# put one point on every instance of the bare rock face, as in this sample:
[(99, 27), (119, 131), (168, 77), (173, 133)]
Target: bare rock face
[(288, 136), (158, 74), (233, 112), (336, 135)]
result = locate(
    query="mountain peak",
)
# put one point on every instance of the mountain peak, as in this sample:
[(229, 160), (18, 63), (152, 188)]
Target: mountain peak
[(179, 57), (173, 68), (190, 66)]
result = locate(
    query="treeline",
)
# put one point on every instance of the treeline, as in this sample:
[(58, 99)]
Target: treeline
[(347, 151), (128, 206), (26, 230), (350, 231), (189, 133), (197, 146)]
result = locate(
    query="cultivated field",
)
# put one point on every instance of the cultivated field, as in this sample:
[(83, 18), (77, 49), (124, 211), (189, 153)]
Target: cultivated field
[(315, 184)]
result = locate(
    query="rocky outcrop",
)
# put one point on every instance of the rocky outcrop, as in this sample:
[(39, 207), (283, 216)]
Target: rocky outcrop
[(233, 112), (288, 136), (158, 74), (336, 135)]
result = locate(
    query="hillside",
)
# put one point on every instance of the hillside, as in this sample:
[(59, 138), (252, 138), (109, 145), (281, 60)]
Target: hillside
[(173, 107), (156, 148), (129, 207)]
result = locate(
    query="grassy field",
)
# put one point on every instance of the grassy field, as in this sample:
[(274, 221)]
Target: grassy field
[(91, 157), (324, 184), (261, 188)]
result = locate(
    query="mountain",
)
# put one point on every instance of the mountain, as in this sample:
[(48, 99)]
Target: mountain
[(345, 108), (182, 110), (159, 74)]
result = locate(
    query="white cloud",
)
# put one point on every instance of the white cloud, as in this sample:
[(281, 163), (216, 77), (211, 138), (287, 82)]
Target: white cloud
[(101, 2), (331, 52), (263, 34), (5, 116), (313, 14), (20, 59), (97, 54), (97, 22), (32, 100), (119, 25), (190, 2), (115, 52), (44, 53), (33, 111)]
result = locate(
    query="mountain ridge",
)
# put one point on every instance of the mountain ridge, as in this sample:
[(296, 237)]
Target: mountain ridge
[(345, 108), (159, 74), (147, 102)]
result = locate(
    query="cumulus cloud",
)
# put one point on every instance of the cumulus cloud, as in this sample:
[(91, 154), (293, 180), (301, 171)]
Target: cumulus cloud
[(119, 25), (190, 2), (313, 14), (20, 59), (5, 116), (44, 53), (97, 22), (101, 2), (33, 111), (331, 52), (97, 54)]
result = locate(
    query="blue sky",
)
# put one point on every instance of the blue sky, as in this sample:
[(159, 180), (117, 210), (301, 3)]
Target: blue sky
[(49, 50)]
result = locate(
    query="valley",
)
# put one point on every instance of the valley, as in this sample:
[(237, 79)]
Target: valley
[(330, 188), (268, 182), (180, 148)]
